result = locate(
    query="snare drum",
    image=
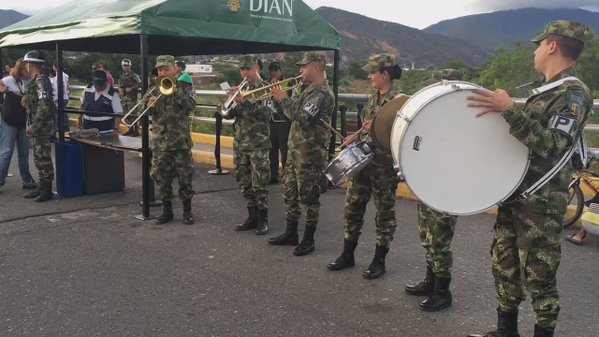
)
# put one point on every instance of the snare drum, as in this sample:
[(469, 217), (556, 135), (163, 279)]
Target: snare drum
[(451, 160), (349, 162)]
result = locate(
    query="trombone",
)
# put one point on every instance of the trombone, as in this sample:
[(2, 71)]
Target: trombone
[(166, 85), (262, 93)]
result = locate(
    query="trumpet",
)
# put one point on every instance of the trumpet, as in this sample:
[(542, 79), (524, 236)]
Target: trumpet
[(166, 85), (230, 102), (258, 94)]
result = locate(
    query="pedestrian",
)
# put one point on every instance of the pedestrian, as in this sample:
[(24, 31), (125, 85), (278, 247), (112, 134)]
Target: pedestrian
[(526, 247), (308, 151), (171, 145), (378, 178), (251, 146), (40, 104)]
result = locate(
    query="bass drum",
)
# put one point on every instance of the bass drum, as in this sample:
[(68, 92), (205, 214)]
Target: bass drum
[(451, 160)]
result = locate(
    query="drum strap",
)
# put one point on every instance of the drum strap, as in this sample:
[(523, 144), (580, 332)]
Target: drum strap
[(579, 146), (552, 85)]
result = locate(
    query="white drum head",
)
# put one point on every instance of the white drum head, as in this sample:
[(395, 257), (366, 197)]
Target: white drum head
[(455, 162)]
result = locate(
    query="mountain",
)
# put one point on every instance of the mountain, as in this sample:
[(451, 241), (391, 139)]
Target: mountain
[(9, 16), (363, 36), (491, 30)]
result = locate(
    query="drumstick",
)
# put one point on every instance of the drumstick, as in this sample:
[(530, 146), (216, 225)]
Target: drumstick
[(333, 129)]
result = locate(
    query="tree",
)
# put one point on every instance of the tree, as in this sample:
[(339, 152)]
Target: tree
[(355, 70)]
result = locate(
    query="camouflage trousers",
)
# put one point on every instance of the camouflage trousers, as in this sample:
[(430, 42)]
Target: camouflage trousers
[(166, 165), (252, 171), (42, 157), (526, 252), (302, 186), (436, 231), (380, 182)]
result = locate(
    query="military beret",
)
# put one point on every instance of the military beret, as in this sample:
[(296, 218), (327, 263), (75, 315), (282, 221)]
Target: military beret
[(165, 61), (310, 57), (247, 61), (570, 29), (378, 61)]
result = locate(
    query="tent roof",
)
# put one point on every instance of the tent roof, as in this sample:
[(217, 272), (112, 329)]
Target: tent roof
[(178, 27)]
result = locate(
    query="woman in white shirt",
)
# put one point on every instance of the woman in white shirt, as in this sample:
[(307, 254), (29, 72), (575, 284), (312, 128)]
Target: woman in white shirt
[(13, 124)]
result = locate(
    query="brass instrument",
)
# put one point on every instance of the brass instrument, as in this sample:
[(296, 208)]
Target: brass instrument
[(166, 85), (258, 94), (230, 102)]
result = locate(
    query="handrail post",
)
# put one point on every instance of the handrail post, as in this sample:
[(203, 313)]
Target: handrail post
[(219, 127)]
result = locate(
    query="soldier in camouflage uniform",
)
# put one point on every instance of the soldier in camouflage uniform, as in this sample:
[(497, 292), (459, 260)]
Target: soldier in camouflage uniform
[(129, 83), (436, 231), (307, 151), (39, 103), (526, 248), (251, 146), (171, 146), (378, 178)]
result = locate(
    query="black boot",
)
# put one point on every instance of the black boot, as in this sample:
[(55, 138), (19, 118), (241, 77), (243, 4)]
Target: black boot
[(262, 222), (289, 238), (306, 246), (251, 222), (441, 296), (425, 287), (542, 332), (167, 213), (377, 266), (507, 326), (35, 193), (46, 192), (346, 259), (187, 215)]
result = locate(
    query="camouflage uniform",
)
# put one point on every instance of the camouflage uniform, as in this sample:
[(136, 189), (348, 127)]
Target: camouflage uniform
[(251, 146), (171, 143), (126, 81), (41, 106), (435, 228), (526, 248), (378, 178), (307, 151)]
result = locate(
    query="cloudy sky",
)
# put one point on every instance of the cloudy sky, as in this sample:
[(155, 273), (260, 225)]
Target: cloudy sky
[(414, 13)]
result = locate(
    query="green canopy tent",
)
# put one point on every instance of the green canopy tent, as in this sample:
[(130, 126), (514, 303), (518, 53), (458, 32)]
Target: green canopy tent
[(176, 27)]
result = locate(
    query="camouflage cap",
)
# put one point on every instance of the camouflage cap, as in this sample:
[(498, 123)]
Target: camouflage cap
[(570, 29), (248, 61), (378, 61), (310, 57), (449, 74), (165, 61)]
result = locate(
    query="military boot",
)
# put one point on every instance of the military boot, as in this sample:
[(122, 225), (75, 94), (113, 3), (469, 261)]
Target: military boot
[(288, 238), (440, 298), (45, 192), (167, 213), (425, 287), (251, 222), (346, 259), (507, 326), (35, 193), (377, 266), (542, 332), (262, 221), (306, 246), (187, 215)]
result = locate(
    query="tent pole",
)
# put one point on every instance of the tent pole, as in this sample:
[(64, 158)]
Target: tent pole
[(336, 93), (60, 91), (145, 139)]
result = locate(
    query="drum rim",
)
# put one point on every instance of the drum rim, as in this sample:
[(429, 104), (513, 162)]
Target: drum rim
[(397, 165)]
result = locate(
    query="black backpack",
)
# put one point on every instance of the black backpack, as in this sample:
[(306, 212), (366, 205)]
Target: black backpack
[(13, 112)]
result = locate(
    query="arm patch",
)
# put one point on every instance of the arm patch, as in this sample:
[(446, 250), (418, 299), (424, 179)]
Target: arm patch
[(313, 106), (568, 120)]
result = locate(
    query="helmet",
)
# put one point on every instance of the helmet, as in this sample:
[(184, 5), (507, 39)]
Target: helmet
[(34, 56), (126, 62)]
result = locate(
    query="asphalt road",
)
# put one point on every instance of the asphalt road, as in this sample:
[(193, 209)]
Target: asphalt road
[(85, 267)]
